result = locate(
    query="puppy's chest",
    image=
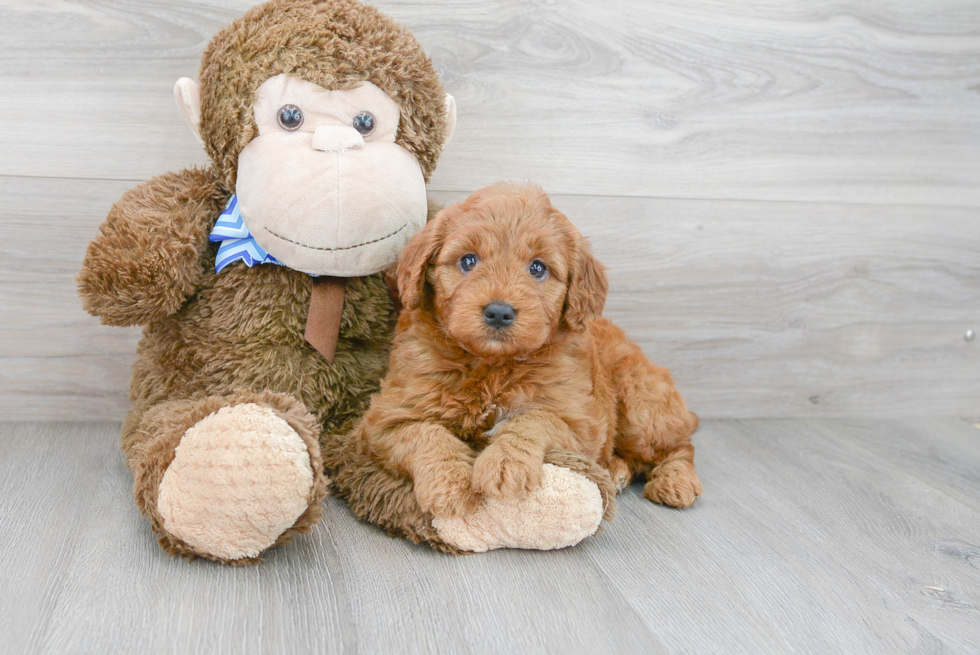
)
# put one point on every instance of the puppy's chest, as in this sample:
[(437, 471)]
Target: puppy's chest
[(479, 408)]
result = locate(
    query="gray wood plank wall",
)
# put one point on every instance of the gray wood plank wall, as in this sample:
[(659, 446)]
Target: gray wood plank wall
[(787, 193)]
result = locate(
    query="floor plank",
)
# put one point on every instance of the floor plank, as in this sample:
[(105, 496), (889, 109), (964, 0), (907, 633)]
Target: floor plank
[(826, 100), (508, 601), (349, 589), (49, 474), (942, 453), (802, 541), (812, 536)]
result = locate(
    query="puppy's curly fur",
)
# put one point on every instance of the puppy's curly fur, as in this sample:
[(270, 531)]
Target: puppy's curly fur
[(472, 403)]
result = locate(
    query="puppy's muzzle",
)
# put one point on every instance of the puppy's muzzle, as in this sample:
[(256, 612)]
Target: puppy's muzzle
[(498, 315)]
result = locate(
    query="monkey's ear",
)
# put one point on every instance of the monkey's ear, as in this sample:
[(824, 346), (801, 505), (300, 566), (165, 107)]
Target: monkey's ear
[(587, 287), (450, 117), (188, 95), (415, 259)]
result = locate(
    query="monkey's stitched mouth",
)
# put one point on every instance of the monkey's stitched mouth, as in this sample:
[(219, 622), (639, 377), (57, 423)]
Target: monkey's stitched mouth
[(357, 245)]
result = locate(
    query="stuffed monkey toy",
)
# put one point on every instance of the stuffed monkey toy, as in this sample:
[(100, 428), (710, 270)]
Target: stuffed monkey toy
[(259, 282)]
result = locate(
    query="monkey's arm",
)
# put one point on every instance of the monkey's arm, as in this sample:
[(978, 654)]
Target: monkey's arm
[(150, 253)]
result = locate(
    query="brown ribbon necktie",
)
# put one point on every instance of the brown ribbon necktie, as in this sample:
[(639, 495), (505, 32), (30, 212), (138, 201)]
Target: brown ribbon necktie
[(326, 307)]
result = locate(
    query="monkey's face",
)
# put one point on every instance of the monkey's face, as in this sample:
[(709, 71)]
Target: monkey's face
[(324, 188)]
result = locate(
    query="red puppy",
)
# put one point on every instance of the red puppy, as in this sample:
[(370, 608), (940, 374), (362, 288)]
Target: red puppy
[(502, 355)]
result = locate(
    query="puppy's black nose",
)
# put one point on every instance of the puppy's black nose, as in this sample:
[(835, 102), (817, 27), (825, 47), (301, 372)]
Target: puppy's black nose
[(498, 314)]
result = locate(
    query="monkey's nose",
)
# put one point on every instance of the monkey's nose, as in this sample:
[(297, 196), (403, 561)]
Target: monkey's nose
[(336, 138), (498, 314)]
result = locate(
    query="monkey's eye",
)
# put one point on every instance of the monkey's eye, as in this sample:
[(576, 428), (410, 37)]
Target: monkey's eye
[(467, 262), (290, 117), (537, 269), (363, 123)]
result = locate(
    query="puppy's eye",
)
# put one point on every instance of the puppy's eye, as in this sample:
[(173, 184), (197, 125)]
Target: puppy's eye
[(363, 123), (467, 262), (290, 117), (537, 269)]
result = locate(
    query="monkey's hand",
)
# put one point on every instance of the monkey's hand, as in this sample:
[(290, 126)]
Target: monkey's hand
[(151, 250)]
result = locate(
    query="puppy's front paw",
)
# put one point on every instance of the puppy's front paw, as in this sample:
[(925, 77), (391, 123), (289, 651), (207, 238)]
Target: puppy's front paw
[(673, 484), (447, 490), (508, 469), (620, 473)]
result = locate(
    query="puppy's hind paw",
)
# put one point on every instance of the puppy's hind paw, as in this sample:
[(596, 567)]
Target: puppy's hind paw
[(563, 510)]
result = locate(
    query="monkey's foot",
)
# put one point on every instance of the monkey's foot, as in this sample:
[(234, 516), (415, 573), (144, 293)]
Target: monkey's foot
[(240, 478), (565, 509)]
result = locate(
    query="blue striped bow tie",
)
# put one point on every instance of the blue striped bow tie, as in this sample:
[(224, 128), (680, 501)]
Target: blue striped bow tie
[(237, 243)]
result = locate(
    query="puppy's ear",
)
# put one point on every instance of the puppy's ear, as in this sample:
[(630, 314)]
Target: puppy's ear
[(415, 259), (587, 286)]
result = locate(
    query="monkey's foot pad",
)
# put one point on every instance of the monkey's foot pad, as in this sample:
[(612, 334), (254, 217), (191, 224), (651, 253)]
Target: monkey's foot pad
[(563, 511), (240, 478)]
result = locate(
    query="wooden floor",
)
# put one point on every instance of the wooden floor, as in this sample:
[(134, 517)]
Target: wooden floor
[(812, 536)]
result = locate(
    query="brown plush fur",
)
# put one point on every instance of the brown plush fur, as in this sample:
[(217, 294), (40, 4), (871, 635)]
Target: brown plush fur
[(237, 331), (467, 410), (238, 336)]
